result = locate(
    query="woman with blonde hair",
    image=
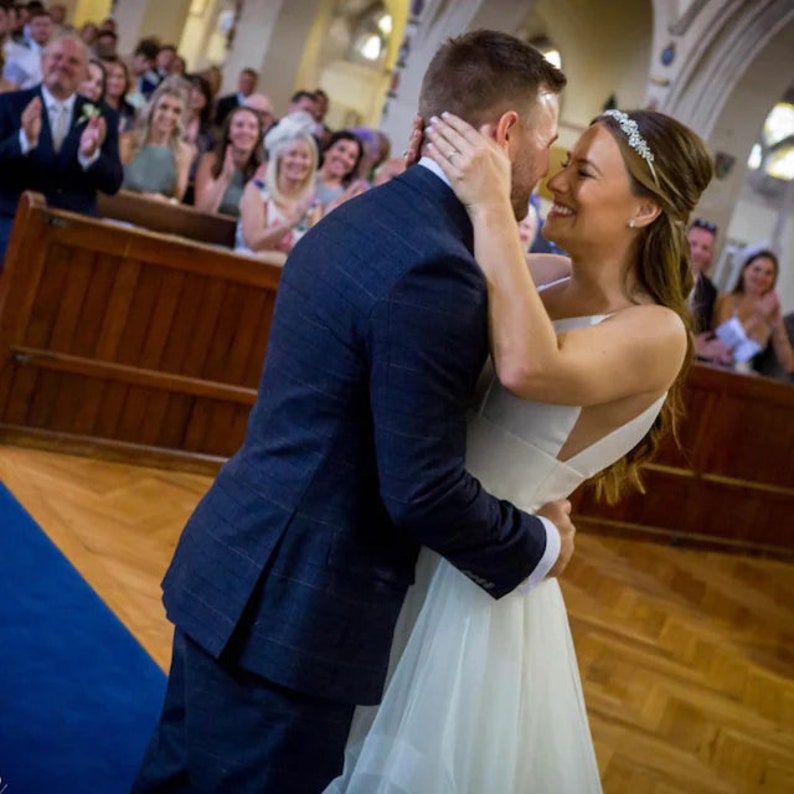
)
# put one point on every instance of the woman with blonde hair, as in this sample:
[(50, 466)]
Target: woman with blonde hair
[(275, 212), (156, 158)]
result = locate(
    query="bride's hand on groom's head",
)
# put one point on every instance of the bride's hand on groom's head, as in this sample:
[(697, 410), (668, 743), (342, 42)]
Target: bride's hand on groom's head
[(477, 167)]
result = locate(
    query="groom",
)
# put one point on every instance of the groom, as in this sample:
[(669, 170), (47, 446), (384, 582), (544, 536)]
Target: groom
[(288, 578)]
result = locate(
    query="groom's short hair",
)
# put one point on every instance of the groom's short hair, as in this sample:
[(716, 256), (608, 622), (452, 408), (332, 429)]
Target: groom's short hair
[(484, 73)]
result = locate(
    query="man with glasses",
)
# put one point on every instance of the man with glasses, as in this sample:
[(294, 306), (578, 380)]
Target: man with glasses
[(701, 237)]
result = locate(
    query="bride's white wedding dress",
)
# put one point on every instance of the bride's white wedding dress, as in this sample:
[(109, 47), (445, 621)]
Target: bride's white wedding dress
[(484, 696)]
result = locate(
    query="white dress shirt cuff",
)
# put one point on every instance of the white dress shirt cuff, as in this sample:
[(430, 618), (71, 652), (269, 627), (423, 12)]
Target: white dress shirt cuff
[(23, 143), (547, 560), (87, 162)]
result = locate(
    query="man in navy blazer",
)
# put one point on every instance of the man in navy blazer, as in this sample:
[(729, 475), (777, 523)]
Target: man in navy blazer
[(288, 578), (54, 141)]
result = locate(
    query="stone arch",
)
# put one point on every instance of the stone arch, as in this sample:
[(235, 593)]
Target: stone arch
[(724, 43)]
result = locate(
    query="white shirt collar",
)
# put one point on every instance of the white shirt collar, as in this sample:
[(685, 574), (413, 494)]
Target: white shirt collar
[(50, 101), (434, 167)]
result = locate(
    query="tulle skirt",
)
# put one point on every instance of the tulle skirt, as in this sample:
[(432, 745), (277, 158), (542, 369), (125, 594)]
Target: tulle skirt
[(482, 697)]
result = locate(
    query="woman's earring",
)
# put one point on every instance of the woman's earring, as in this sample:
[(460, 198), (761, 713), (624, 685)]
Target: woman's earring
[(632, 223)]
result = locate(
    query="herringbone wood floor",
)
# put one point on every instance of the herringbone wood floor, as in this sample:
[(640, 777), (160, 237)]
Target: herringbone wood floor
[(687, 657)]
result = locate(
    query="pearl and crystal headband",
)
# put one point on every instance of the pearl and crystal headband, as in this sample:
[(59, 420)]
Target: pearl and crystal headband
[(631, 130)]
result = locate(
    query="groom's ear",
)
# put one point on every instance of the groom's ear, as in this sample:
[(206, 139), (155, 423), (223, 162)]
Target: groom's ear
[(505, 128)]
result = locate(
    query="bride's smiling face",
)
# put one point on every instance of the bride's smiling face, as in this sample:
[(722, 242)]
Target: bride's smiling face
[(593, 202)]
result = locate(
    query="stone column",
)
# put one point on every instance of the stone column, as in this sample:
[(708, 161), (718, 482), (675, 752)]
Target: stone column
[(139, 18), (270, 38)]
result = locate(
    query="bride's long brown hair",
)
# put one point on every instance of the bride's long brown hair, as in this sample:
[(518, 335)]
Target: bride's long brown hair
[(683, 168)]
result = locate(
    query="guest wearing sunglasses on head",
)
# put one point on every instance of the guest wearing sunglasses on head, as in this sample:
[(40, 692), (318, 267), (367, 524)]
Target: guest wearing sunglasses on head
[(701, 237)]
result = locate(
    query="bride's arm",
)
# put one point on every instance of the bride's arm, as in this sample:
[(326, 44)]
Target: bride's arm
[(639, 350)]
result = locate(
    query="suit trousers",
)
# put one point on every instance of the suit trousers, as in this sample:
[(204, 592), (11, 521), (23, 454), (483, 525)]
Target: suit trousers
[(224, 729)]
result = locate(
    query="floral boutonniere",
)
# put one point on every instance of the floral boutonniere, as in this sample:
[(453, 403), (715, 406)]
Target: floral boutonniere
[(88, 112)]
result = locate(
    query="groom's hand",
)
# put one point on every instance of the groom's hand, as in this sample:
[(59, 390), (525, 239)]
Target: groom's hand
[(559, 513)]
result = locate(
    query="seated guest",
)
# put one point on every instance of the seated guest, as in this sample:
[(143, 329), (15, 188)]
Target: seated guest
[(749, 318), (261, 104), (198, 127), (214, 76), (106, 45), (246, 85), (93, 87), (223, 173), (701, 237), (89, 33), (58, 13), (377, 148), (145, 77), (23, 58), (323, 132), (303, 101), (6, 10), (156, 159), (276, 212), (117, 85), (338, 166), (166, 62), (48, 144), (766, 362)]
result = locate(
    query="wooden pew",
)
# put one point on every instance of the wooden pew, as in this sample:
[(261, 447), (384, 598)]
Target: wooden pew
[(162, 216), (126, 343), (732, 482)]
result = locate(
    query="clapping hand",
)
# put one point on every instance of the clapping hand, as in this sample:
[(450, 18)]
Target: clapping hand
[(93, 136), (227, 172), (31, 121), (769, 306), (302, 209), (475, 164)]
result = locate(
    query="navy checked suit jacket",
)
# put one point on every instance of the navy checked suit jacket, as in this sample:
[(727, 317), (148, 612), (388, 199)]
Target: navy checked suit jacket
[(297, 560), (58, 175)]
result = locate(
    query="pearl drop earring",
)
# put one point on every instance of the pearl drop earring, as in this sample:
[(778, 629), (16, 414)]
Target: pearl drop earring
[(632, 223)]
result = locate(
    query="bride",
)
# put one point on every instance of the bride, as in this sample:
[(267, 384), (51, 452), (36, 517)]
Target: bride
[(484, 695)]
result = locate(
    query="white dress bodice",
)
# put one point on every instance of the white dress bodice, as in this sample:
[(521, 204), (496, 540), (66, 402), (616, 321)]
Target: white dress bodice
[(513, 444)]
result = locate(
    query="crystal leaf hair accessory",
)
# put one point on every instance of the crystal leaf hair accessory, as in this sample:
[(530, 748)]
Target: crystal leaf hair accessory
[(632, 132)]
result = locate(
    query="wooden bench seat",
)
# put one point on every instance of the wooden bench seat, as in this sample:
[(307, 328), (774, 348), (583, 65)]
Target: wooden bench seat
[(163, 216), (146, 347), (129, 343)]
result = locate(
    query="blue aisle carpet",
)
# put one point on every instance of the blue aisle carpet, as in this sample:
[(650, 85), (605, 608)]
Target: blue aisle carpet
[(79, 696)]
